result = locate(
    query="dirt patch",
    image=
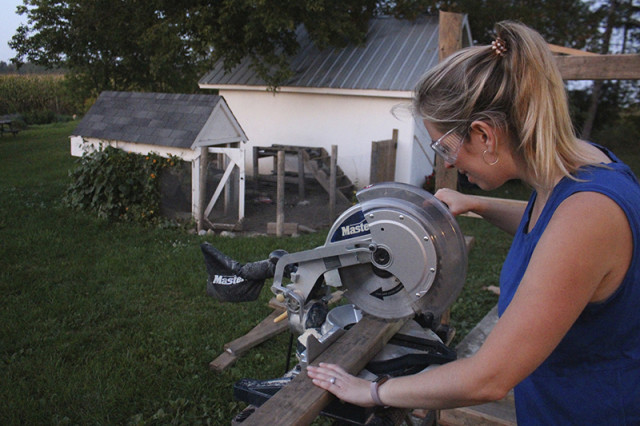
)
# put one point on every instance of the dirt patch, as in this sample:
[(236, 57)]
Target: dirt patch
[(312, 211)]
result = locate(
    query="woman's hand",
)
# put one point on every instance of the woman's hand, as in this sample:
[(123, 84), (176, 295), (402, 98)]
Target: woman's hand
[(458, 203), (348, 388)]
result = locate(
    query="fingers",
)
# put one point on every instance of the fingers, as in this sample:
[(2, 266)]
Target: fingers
[(324, 372), (327, 375), (334, 367), (456, 202), (336, 380)]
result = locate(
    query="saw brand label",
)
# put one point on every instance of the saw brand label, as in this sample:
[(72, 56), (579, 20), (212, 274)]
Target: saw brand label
[(353, 226), (226, 279), (354, 229)]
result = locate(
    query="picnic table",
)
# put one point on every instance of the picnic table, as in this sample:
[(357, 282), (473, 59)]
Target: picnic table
[(8, 126)]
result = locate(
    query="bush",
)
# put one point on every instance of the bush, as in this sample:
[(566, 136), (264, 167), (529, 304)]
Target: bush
[(118, 185)]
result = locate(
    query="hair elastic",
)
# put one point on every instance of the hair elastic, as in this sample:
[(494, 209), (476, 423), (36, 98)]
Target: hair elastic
[(499, 46)]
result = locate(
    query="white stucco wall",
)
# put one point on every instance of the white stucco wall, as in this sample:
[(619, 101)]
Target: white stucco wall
[(322, 120)]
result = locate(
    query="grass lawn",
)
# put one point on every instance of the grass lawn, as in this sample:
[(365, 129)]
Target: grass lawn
[(108, 323)]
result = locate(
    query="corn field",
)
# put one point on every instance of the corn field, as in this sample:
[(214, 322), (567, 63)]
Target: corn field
[(36, 94)]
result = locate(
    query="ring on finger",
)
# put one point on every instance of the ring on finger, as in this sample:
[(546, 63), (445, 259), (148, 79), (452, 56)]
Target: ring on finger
[(332, 380)]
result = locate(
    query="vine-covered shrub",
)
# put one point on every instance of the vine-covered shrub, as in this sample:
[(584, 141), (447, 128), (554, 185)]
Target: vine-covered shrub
[(118, 185)]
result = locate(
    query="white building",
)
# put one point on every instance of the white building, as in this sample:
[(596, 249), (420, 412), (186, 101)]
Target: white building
[(344, 97)]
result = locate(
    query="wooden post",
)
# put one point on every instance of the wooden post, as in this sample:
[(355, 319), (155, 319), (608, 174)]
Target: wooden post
[(280, 195), (256, 164), (300, 175), (450, 40), (332, 182), (202, 179), (383, 159), (227, 188)]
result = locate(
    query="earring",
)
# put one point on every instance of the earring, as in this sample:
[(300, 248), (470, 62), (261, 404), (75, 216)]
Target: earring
[(487, 162)]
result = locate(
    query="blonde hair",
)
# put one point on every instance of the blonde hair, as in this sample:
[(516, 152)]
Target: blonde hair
[(520, 91)]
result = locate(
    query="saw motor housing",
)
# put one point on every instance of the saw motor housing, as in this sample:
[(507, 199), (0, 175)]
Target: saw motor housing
[(397, 253)]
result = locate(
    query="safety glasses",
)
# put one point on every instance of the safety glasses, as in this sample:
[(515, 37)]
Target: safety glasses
[(448, 145)]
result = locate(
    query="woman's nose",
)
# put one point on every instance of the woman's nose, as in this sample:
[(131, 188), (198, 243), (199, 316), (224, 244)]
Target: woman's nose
[(448, 165)]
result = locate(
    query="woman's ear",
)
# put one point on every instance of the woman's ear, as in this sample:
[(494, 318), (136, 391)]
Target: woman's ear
[(483, 133)]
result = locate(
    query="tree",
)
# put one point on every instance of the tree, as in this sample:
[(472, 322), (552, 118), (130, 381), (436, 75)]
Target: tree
[(166, 45), (566, 22), (125, 44), (622, 17)]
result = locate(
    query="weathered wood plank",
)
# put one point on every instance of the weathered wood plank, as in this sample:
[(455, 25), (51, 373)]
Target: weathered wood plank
[(500, 412), (491, 414), (301, 401), (601, 67), (289, 228), (280, 196), (222, 361), (569, 51), (449, 41), (262, 332), (383, 159)]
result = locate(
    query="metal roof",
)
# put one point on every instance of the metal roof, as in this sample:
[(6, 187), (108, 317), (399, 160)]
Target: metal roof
[(394, 57), (166, 119)]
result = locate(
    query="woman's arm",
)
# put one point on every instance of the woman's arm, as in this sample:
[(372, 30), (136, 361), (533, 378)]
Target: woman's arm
[(503, 213), (582, 257)]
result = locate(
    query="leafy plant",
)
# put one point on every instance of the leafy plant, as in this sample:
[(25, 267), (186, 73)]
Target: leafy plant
[(118, 185)]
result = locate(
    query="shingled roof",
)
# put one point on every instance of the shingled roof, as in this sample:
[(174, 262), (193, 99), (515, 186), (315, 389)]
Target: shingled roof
[(395, 55), (165, 119)]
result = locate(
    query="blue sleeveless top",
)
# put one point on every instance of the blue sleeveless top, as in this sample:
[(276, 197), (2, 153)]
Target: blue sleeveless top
[(593, 376)]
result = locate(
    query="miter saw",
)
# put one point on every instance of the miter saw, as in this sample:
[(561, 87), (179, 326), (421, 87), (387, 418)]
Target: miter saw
[(397, 253)]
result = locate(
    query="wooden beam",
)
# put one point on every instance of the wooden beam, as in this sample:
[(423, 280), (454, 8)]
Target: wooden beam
[(601, 67), (450, 40), (202, 186), (333, 166), (259, 334), (301, 401), (569, 51), (280, 195)]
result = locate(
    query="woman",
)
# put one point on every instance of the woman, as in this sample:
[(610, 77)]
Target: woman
[(568, 337)]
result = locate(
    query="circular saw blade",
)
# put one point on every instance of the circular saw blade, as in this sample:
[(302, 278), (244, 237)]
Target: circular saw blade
[(418, 254)]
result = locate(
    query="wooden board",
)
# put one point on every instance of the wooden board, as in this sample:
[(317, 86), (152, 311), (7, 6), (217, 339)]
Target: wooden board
[(601, 67), (491, 414), (260, 333), (383, 159), (289, 228), (301, 401)]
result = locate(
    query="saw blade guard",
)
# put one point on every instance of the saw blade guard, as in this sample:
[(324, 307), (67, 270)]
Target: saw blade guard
[(418, 253)]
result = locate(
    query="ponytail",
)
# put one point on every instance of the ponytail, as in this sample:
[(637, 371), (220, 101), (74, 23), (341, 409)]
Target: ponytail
[(515, 85)]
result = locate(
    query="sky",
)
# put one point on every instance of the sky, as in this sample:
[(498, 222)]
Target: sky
[(9, 22)]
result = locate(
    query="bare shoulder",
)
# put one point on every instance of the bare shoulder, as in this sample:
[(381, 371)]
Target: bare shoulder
[(593, 208), (592, 232)]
